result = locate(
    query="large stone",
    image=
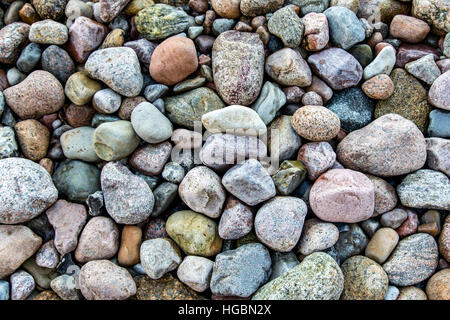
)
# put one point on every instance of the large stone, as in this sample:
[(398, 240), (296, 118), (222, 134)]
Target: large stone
[(238, 66), (345, 28), (317, 277), (389, 146), (128, 198), (118, 68), (242, 271), (26, 190), (435, 13)]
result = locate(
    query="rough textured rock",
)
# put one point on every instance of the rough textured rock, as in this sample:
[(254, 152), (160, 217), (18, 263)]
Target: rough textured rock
[(238, 66), (253, 8), (128, 198), (439, 95), (444, 239), (27, 190), (385, 195), (316, 123), (242, 271), (195, 272), (13, 38), (438, 287), (159, 256), (236, 220), (317, 157), (286, 25), (389, 146), (317, 236), (166, 288), (317, 277), (414, 259), (103, 280), (345, 28), (434, 12), (288, 68)]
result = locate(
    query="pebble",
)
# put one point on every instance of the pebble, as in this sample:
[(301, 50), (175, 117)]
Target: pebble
[(128, 105), (345, 28), (194, 233), (47, 256), (364, 279), (202, 191), (236, 220), (286, 25), (173, 60), (317, 277), (240, 272), (12, 38), (106, 101), (77, 180), (316, 123), (282, 263), (65, 286), (29, 57), (33, 138), (15, 76), (282, 140), (279, 222), (77, 144), (438, 124), (438, 287), (99, 240), (411, 293), (173, 172), (289, 176), (4, 290), (128, 198), (288, 68), (444, 243), (342, 195), (414, 259), (382, 64), (195, 272), (352, 241), (379, 87), (159, 21), (115, 140), (438, 95), (317, 236), (159, 256), (221, 25), (67, 219), (394, 218), (22, 285), (406, 151), (80, 88), (249, 182), (392, 293), (131, 239), (8, 144), (312, 98), (39, 94), (317, 157), (35, 194), (186, 108), (270, 100), (408, 28), (18, 243), (118, 68), (425, 189), (424, 69), (232, 51), (103, 280), (253, 8), (438, 151), (189, 84), (48, 32), (336, 67), (382, 244), (316, 35), (227, 9), (151, 158), (385, 196)]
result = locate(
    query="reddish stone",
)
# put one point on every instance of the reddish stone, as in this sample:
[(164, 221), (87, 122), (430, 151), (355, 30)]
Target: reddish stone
[(85, 35), (410, 52), (151, 158), (156, 228), (204, 60), (227, 9), (318, 157), (380, 46), (430, 228), (78, 116), (199, 6), (210, 16), (204, 43), (242, 27), (128, 105), (316, 35), (48, 119), (408, 28), (379, 87), (409, 226), (293, 94), (321, 88), (375, 39), (4, 80), (444, 65)]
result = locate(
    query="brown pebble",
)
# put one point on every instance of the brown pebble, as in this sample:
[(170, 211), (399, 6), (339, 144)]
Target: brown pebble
[(129, 247), (47, 164), (409, 226), (379, 87), (79, 116), (33, 137), (430, 228)]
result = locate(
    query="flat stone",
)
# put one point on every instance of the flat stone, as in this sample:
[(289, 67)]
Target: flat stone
[(317, 277), (106, 101), (150, 159), (241, 272), (410, 52), (29, 57), (159, 256), (438, 124), (253, 8), (128, 198), (270, 100), (412, 293), (103, 280), (425, 188), (238, 66), (405, 152), (288, 68), (424, 69), (77, 144)]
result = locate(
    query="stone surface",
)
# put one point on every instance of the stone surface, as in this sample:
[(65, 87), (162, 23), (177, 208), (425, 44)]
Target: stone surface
[(425, 188), (103, 280), (438, 287), (385, 195), (364, 279), (424, 69), (150, 159), (286, 25), (12, 38), (65, 287), (236, 220), (367, 149), (68, 219), (22, 285), (316, 123), (33, 138), (269, 102), (352, 241), (242, 271), (99, 240), (159, 256), (279, 222), (39, 94), (444, 239), (434, 12), (249, 181), (48, 32), (414, 259), (282, 140), (77, 144), (166, 288), (336, 67), (17, 244), (316, 35), (128, 198), (288, 68), (80, 88), (382, 64), (47, 256), (26, 189), (317, 236), (317, 277), (194, 233), (238, 66), (379, 87), (8, 143)]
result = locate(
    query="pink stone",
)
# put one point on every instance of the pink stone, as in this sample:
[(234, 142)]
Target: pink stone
[(67, 219), (439, 94), (321, 88), (318, 157), (409, 29), (316, 35), (342, 195), (409, 226), (236, 220), (150, 159)]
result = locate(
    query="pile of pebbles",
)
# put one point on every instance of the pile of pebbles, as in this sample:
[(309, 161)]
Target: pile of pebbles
[(224, 149)]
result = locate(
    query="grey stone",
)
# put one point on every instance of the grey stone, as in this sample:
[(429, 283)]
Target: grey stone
[(66, 287), (438, 126), (424, 69), (150, 124), (351, 242), (173, 172), (345, 28), (282, 262), (155, 91), (22, 285), (8, 144), (382, 64), (286, 25), (29, 57), (164, 195), (78, 144), (270, 100), (159, 256)]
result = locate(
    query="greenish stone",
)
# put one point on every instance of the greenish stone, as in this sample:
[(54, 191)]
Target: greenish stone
[(188, 107), (248, 238), (289, 176), (189, 84), (195, 233), (42, 276), (206, 72), (408, 100), (77, 180), (362, 53), (160, 21), (287, 25), (318, 277)]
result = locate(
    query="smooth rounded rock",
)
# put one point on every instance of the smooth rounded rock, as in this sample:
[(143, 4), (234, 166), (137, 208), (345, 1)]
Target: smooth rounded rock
[(316, 123), (438, 287), (195, 272), (317, 236), (382, 244), (150, 124), (236, 220), (78, 144)]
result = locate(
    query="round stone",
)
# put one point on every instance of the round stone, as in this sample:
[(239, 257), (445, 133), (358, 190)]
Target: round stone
[(236, 220), (379, 87), (438, 287), (80, 88), (317, 236), (106, 101), (439, 92), (78, 144), (342, 195), (316, 123), (195, 272), (33, 138), (150, 124)]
